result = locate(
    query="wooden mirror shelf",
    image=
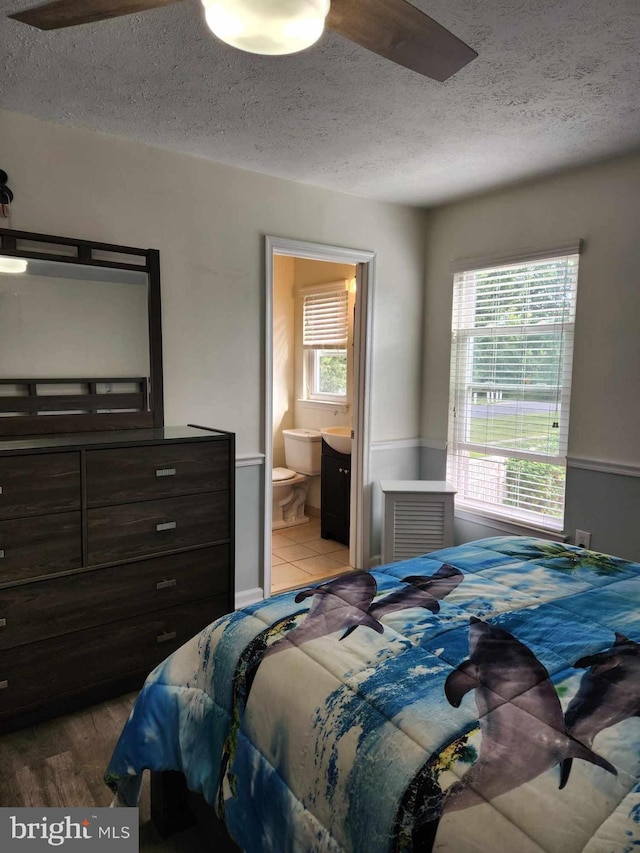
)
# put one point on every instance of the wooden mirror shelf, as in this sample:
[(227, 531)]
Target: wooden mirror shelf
[(78, 302)]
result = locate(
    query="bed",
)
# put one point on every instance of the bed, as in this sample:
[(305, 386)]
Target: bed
[(479, 698)]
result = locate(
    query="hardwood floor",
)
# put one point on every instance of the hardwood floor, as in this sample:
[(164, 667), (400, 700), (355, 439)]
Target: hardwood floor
[(61, 762)]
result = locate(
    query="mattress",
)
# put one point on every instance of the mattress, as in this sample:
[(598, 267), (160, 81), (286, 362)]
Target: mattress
[(479, 698)]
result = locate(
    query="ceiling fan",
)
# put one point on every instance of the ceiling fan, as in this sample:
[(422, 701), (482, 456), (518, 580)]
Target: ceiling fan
[(393, 29)]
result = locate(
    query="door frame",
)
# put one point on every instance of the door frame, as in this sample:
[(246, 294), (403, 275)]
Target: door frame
[(359, 538)]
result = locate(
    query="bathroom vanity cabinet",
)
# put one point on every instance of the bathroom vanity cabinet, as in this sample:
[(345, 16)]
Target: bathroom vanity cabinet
[(115, 548), (335, 485)]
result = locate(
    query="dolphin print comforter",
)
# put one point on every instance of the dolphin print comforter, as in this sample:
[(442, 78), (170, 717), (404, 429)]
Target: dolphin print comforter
[(480, 698)]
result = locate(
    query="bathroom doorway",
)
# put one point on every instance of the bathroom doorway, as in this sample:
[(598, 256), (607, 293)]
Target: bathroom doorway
[(309, 389)]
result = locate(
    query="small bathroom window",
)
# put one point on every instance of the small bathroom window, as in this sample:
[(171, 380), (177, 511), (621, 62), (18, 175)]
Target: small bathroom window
[(325, 340), (327, 374)]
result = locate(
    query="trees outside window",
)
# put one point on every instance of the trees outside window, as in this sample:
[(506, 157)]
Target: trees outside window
[(512, 345)]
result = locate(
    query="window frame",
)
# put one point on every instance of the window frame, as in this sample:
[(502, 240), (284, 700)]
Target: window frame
[(460, 447), (312, 352), (312, 375)]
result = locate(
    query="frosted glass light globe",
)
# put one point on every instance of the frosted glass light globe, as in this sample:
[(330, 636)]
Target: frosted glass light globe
[(269, 27), (12, 265)]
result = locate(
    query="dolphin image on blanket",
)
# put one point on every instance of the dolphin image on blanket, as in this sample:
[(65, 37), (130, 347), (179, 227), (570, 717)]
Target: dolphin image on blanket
[(609, 693), (521, 722), (338, 606), (344, 604), (420, 592)]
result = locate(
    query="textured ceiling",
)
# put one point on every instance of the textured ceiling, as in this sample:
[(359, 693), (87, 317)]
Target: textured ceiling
[(556, 83)]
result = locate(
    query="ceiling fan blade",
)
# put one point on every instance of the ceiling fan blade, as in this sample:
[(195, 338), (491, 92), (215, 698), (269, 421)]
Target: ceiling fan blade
[(68, 13), (402, 33)]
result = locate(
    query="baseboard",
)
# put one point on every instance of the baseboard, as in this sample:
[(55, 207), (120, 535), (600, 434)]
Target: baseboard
[(312, 511), (248, 596)]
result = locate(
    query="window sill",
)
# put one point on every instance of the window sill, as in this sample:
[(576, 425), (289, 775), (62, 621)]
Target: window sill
[(324, 404), (508, 525)]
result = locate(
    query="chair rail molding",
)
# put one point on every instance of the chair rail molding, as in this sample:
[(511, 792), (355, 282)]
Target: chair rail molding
[(249, 460), (604, 466)]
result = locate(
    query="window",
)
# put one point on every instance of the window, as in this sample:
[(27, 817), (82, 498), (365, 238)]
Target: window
[(325, 338), (512, 347)]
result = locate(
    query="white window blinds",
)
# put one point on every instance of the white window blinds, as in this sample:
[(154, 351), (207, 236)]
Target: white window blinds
[(325, 316), (512, 345)]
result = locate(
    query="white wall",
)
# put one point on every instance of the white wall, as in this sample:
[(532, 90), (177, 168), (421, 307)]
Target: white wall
[(601, 204), (209, 223)]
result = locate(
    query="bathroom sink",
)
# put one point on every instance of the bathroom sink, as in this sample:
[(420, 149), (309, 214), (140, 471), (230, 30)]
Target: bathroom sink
[(338, 438)]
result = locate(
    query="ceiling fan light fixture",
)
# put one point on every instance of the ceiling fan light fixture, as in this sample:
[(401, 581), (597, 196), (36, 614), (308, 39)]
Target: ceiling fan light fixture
[(268, 27), (12, 265)]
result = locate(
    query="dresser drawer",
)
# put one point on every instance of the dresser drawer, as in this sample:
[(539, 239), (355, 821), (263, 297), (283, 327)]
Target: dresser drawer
[(150, 527), (33, 485), (33, 674), (39, 546), (143, 473), (38, 611)]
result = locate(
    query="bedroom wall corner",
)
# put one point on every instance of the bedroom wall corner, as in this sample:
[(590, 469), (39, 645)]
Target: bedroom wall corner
[(599, 203), (433, 460), (390, 460)]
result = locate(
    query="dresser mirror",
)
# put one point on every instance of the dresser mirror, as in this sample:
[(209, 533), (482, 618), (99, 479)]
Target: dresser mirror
[(80, 336)]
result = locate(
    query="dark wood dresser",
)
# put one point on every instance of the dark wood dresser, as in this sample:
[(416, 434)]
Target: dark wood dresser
[(115, 549)]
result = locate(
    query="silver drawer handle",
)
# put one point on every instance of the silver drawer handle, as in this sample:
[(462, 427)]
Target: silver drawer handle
[(166, 584), (168, 635), (166, 472), (166, 525), (3, 623), (1, 553), (4, 685)]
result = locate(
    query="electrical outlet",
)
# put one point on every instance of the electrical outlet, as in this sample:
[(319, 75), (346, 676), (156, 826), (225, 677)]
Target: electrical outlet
[(583, 539)]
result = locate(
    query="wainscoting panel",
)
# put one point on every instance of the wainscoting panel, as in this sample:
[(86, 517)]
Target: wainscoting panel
[(608, 506), (249, 524)]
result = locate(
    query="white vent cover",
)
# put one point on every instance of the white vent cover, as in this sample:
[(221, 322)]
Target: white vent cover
[(418, 518)]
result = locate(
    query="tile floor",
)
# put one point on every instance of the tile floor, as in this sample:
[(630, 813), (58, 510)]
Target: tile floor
[(299, 556)]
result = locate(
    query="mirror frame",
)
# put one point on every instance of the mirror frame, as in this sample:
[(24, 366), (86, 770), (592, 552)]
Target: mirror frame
[(83, 252)]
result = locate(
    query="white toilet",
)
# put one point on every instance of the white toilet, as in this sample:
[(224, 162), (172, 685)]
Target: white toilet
[(302, 452)]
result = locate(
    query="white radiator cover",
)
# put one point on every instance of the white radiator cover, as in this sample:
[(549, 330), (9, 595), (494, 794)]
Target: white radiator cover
[(417, 518)]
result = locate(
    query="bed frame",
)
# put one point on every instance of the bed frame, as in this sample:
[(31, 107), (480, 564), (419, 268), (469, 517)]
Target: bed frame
[(175, 808)]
